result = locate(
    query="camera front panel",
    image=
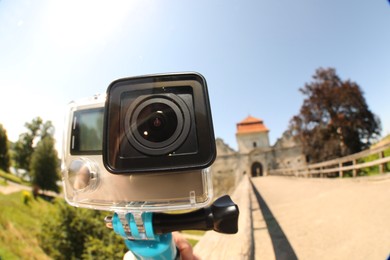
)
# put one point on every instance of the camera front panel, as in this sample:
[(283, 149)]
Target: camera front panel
[(88, 184), (158, 123)]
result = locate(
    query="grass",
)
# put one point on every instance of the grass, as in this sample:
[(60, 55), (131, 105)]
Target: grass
[(10, 177), (19, 226), (3, 182), (193, 241), (13, 178), (194, 232)]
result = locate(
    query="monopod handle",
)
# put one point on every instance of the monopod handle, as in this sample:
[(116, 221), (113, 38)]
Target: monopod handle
[(221, 216)]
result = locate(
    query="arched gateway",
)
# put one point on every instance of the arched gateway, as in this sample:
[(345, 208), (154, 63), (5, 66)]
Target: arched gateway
[(257, 169)]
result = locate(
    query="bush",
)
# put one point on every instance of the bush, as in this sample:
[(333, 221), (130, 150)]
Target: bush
[(75, 233)]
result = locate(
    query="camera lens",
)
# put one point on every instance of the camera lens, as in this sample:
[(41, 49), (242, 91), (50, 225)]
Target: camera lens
[(157, 122)]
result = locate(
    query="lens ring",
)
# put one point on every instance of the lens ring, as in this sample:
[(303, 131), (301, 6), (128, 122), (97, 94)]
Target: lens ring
[(178, 136)]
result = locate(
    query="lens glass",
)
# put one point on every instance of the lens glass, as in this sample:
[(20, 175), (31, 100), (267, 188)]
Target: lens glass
[(157, 122)]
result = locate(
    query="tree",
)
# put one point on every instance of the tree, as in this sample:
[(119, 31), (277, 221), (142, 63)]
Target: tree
[(44, 166), (334, 119), (4, 150), (24, 147)]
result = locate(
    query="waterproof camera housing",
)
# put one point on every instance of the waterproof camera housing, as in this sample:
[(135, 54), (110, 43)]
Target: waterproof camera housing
[(145, 146)]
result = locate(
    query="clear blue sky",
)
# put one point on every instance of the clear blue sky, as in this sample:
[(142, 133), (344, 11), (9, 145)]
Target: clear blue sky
[(255, 55)]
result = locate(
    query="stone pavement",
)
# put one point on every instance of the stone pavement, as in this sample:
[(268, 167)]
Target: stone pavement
[(323, 218), (307, 218), (238, 246)]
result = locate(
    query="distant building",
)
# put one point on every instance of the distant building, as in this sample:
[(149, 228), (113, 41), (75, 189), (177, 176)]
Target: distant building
[(255, 155), (251, 134)]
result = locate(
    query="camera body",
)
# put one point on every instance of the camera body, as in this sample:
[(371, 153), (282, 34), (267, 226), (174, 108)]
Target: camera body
[(145, 146)]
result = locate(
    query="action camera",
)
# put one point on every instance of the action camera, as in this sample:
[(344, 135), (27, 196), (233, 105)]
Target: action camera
[(145, 146)]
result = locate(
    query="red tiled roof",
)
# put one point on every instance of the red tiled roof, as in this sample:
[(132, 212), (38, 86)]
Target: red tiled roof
[(251, 125)]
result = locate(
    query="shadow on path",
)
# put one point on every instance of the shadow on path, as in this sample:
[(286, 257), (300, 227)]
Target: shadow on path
[(282, 247)]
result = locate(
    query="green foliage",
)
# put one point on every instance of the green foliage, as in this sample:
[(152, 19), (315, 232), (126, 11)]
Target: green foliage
[(369, 170), (24, 148), (20, 226), (4, 150), (10, 177), (44, 167), (44, 230), (111, 248), (374, 169), (334, 120), (74, 233), (387, 165)]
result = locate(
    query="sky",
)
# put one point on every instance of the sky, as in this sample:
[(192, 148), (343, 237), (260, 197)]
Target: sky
[(255, 55)]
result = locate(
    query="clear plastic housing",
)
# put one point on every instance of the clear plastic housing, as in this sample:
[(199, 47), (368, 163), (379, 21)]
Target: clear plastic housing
[(88, 184)]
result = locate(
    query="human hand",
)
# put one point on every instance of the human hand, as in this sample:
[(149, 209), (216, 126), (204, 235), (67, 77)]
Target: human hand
[(184, 247)]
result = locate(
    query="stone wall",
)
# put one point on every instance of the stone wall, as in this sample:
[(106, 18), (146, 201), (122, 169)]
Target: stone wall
[(230, 165), (249, 141), (224, 169)]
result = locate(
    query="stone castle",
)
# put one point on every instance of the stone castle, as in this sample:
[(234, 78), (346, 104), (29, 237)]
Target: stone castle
[(255, 155)]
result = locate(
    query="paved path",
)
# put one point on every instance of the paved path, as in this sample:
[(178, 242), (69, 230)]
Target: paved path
[(12, 187), (321, 218)]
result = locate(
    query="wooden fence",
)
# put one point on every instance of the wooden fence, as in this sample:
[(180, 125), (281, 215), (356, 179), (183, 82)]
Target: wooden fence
[(351, 164)]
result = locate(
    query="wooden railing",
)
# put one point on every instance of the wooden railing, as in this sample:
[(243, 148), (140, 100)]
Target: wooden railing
[(351, 164)]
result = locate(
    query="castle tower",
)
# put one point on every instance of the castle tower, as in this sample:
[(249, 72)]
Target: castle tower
[(251, 133)]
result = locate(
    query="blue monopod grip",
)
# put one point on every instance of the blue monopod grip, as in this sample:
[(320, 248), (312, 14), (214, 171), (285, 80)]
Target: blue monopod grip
[(161, 249), (151, 247), (155, 241)]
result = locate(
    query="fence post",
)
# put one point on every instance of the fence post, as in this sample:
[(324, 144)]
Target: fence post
[(340, 170), (382, 165), (354, 171)]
